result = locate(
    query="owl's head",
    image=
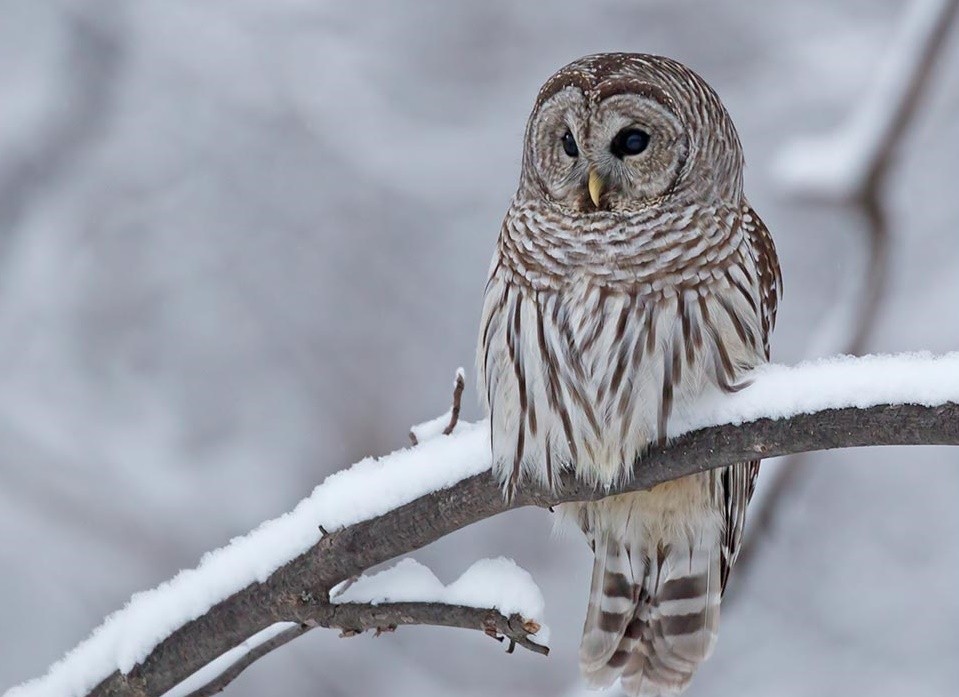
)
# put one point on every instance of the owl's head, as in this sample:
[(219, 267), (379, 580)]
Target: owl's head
[(621, 132)]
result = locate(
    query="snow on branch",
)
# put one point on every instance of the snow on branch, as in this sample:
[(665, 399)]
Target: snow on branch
[(298, 571)]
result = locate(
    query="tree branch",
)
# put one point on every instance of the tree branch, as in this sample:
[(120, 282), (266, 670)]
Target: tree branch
[(299, 590), (851, 163), (219, 683), (85, 101), (355, 618)]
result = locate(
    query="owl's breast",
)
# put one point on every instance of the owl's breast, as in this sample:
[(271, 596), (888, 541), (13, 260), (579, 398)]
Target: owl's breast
[(583, 360), (644, 253)]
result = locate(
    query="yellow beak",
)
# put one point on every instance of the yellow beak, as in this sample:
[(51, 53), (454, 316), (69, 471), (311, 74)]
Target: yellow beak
[(595, 186)]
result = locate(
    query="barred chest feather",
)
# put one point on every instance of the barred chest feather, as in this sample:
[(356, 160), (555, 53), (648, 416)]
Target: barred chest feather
[(583, 358)]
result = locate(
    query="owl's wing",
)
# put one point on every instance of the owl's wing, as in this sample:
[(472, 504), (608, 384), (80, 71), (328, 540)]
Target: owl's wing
[(767, 264), (739, 481)]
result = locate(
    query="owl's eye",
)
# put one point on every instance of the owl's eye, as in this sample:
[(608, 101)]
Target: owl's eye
[(629, 141), (569, 145)]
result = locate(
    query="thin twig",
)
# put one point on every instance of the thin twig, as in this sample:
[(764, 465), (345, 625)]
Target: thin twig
[(246, 660), (357, 618), (459, 383), (354, 619)]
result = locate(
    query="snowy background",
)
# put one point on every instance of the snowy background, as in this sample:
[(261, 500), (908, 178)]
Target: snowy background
[(243, 244)]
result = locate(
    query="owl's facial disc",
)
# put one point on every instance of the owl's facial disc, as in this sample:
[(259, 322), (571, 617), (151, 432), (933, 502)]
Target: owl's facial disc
[(622, 153)]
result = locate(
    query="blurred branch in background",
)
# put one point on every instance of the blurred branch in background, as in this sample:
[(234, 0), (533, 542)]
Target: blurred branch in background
[(849, 165), (91, 61), (770, 421), (849, 168)]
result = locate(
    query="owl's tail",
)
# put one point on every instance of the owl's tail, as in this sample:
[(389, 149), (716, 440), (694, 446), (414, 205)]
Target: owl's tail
[(653, 614)]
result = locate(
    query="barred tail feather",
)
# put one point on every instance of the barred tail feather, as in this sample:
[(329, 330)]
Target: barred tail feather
[(672, 623), (612, 604), (676, 624)]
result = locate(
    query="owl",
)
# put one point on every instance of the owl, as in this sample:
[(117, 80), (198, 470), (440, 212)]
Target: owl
[(631, 279)]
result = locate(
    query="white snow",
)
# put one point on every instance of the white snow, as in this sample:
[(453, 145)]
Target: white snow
[(209, 672), (829, 383), (833, 166), (367, 489), (488, 583), (429, 430), (374, 486)]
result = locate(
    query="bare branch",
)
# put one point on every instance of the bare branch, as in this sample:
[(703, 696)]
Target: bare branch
[(299, 590), (459, 383), (355, 618)]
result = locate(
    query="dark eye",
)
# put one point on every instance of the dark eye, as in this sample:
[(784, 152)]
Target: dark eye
[(569, 145), (629, 141)]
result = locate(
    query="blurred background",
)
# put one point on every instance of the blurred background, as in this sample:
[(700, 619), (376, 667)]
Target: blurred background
[(243, 244)]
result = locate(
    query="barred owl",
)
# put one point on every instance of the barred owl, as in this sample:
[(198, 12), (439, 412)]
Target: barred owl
[(631, 278)]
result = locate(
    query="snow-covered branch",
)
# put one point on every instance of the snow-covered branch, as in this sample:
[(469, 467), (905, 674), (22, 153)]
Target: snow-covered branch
[(355, 618), (290, 570)]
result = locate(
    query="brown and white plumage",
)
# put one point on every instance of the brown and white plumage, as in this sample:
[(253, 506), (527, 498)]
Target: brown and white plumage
[(630, 278)]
